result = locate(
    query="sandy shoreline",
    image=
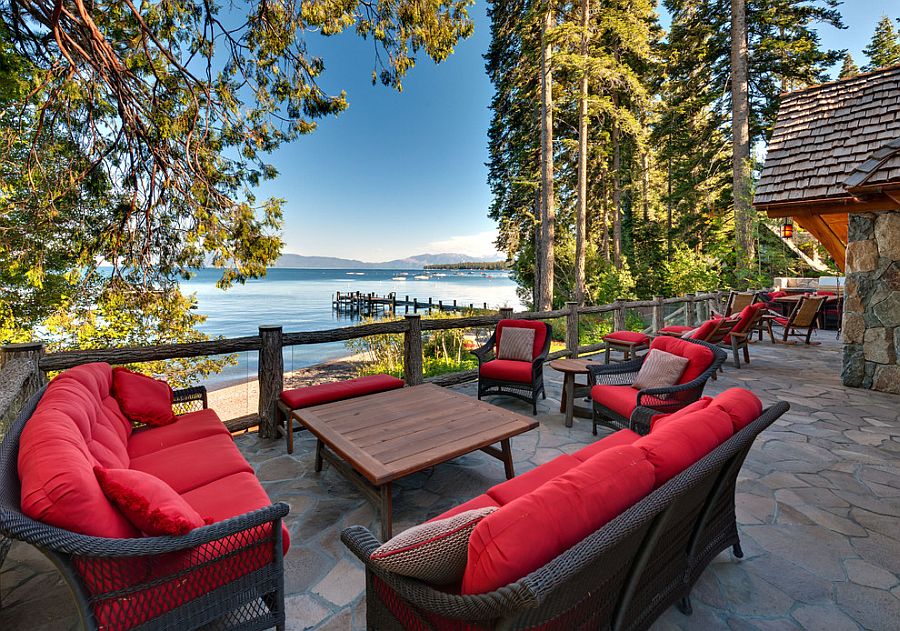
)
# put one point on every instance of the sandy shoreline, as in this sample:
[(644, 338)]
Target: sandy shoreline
[(235, 399)]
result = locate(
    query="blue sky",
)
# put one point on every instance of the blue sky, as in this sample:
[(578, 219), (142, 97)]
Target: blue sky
[(404, 173)]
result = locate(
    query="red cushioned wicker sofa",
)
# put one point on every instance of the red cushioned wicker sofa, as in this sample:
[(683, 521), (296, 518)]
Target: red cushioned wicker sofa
[(606, 538), (228, 572)]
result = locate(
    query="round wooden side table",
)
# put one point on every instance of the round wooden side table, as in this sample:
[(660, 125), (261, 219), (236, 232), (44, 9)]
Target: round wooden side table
[(570, 368)]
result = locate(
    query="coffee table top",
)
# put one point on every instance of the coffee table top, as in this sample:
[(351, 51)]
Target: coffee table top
[(578, 366), (389, 435)]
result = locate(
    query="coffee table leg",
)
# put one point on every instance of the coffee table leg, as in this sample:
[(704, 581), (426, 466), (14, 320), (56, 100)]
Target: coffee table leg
[(387, 521), (569, 397), (319, 447), (507, 459)]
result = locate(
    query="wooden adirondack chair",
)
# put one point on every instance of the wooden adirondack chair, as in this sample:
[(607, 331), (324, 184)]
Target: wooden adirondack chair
[(804, 319)]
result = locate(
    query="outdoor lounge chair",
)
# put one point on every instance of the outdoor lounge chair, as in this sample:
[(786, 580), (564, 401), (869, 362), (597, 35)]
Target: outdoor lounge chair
[(804, 319), (516, 378), (745, 323), (614, 398), (737, 302)]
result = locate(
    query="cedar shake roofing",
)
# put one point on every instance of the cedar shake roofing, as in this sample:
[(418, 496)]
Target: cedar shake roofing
[(834, 136)]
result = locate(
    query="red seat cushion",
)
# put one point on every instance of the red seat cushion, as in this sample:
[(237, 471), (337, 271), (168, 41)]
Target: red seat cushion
[(627, 336), (143, 399), (187, 427), (661, 419), (676, 328), (777, 294), (482, 501), (148, 502), (191, 465), (705, 330), (780, 320), (699, 357), (680, 443), (620, 399), (339, 390), (505, 492), (741, 405), (540, 333), (744, 318), (507, 370), (530, 531), (616, 439)]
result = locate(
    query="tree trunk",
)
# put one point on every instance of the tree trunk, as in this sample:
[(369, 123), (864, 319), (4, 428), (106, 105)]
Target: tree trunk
[(605, 221), (538, 256), (581, 209), (645, 184), (548, 211), (740, 144), (617, 195)]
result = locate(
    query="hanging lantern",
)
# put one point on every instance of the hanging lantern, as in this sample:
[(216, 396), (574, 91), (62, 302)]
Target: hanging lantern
[(787, 230)]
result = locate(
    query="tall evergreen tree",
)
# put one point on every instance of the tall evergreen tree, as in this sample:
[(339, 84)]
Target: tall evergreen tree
[(546, 244), (884, 48), (848, 67), (740, 137)]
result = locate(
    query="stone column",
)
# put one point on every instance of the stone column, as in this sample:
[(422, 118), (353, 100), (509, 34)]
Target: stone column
[(871, 325)]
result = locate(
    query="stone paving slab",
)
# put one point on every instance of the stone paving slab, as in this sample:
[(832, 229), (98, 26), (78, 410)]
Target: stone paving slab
[(818, 506)]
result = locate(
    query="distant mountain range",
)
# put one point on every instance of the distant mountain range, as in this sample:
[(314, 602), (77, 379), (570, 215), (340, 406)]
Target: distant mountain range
[(419, 261)]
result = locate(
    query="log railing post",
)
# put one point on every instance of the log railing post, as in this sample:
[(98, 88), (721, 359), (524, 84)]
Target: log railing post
[(658, 319), (619, 315), (32, 352), (271, 378), (506, 312), (412, 351), (572, 329), (689, 315)]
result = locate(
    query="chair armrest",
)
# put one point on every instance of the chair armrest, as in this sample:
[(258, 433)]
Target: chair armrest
[(485, 353), (641, 418), (187, 395), (622, 374)]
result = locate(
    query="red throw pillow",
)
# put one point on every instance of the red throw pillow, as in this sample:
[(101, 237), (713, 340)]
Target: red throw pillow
[(148, 502), (143, 399)]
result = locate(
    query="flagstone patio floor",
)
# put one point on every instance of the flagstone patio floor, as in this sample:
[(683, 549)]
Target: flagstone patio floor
[(818, 505)]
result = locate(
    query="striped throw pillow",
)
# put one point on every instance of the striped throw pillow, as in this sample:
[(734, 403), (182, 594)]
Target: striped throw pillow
[(436, 551), (660, 370), (516, 343)]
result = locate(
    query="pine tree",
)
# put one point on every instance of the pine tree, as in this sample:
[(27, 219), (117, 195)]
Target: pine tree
[(548, 199), (740, 138), (884, 48), (848, 67)]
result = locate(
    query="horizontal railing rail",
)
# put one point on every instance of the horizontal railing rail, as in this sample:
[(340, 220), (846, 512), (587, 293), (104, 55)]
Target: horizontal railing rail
[(271, 340)]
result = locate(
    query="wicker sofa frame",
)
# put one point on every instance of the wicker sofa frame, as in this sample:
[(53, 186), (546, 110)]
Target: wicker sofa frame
[(659, 400), (252, 601), (525, 391), (621, 577)]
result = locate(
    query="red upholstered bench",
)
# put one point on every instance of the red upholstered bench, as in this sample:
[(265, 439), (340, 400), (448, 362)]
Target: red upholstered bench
[(626, 342), (308, 396)]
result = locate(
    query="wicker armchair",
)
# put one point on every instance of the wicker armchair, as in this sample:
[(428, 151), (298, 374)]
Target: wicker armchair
[(661, 400), (525, 389), (228, 575), (622, 576)]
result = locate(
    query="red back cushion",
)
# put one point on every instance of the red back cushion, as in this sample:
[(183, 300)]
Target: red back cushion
[(678, 444), (661, 419), (540, 333), (706, 329), (530, 531), (699, 357), (148, 502), (741, 405), (143, 399)]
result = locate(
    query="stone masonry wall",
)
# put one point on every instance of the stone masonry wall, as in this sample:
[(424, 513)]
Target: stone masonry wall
[(872, 306)]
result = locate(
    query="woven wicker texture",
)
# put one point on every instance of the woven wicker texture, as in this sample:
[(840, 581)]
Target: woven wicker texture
[(435, 552)]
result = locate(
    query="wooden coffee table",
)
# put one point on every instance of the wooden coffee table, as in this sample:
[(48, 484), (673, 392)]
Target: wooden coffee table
[(377, 439)]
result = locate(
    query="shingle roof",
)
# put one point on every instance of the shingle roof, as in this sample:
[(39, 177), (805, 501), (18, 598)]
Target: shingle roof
[(827, 133)]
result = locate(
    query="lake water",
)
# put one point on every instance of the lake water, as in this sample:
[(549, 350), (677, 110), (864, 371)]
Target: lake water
[(301, 300)]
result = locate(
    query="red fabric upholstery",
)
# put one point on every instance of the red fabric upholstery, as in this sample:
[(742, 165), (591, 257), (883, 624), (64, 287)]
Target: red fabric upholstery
[(661, 419), (148, 502), (143, 399), (677, 328), (826, 293), (339, 390), (627, 336), (680, 443), (620, 399), (482, 501), (699, 357), (540, 333), (777, 294), (187, 427), (741, 405), (74, 428), (531, 530), (744, 318), (616, 439), (780, 320), (520, 485), (507, 370), (191, 465), (706, 329)]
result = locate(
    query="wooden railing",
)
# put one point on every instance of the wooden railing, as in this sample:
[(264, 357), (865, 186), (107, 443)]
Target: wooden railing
[(271, 340)]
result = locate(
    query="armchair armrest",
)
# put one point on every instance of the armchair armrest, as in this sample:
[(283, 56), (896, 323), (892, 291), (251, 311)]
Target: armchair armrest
[(485, 353), (190, 395), (622, 374), (641, 418)]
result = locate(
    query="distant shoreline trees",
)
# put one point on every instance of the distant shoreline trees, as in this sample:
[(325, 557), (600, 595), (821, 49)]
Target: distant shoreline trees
[(473, 265)]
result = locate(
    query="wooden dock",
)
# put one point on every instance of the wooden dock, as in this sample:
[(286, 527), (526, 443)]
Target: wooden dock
[(371, 305)]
